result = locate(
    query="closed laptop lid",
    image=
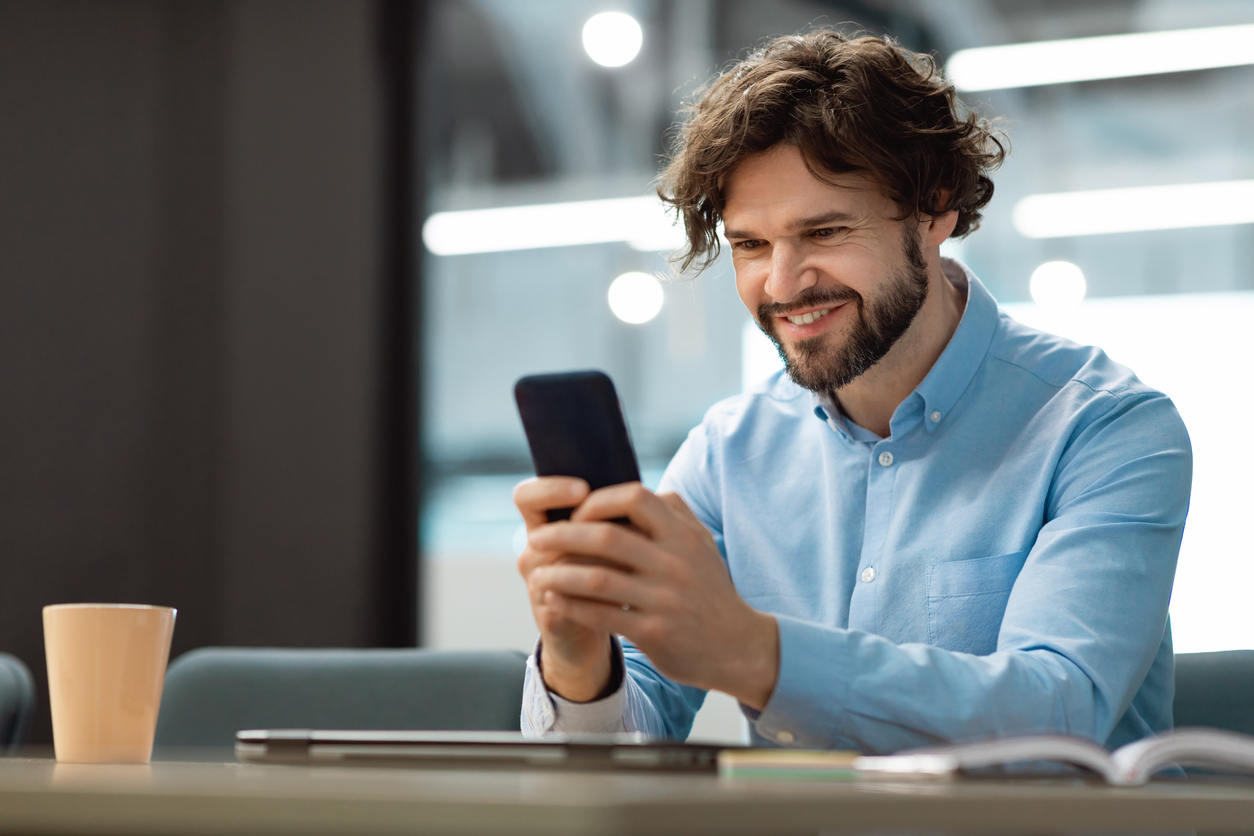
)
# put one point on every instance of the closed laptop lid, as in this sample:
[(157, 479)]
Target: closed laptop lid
[(469, 749)]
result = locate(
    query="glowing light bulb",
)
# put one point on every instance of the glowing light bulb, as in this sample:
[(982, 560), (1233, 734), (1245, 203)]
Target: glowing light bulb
[(1058, 284), (635, 297), (612, 39)]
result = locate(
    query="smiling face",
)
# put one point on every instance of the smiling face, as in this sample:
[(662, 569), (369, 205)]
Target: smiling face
[(832, 277)]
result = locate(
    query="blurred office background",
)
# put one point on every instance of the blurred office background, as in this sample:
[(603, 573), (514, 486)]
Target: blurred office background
[(268, 271)]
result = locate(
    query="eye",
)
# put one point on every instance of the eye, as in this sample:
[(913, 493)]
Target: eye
[(747, 244), (829, 231)]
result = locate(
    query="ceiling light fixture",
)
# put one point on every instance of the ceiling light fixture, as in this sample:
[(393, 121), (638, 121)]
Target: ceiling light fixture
[(612, 39), (1110, 56), (1058, 284), (636, 297), (1138, 209), (642, 222)]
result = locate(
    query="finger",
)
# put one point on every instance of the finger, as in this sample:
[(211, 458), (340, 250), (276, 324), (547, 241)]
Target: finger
[(594, 583), (603, 541), (532, 558), (631, 500), (536, 495), (595, 615), (535, 591)]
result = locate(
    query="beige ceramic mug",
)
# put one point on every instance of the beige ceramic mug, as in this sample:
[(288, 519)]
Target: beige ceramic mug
[(106, 666)]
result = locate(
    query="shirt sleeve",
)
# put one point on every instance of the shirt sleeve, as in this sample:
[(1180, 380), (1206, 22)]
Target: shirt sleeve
[(1085, 619), (694, 475), (625, 709)]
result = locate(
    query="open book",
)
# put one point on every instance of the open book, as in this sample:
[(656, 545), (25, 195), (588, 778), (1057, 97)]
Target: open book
[(1129, 765)]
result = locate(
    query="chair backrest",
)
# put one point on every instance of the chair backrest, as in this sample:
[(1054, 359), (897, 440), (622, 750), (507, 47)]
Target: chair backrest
[(1215, 689), (17, 700), (213, 692)]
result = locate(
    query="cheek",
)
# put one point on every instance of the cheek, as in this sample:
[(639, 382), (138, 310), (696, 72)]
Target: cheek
[(750, 286), (858, 268)]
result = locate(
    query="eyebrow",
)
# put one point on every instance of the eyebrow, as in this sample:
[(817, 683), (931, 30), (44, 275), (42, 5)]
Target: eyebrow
[(812, 222)]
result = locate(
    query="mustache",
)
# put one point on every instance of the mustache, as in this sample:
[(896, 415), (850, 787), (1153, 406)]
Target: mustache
[(809, 298)]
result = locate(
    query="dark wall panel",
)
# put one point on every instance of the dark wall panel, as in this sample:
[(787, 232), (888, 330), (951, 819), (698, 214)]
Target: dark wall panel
[(302, 275), (78, 227), (190, 292), (179, 516)]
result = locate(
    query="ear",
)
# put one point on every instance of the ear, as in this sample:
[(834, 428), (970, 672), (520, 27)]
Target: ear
[(939, 227)]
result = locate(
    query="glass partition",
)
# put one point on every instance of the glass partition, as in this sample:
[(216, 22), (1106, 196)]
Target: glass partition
[(523, 117)]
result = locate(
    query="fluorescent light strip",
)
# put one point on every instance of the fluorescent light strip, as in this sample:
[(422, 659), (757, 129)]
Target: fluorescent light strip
[(1135, 210), (642, 222), (1110, 56)]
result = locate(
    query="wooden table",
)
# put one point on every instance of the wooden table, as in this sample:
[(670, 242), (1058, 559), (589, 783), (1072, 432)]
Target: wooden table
[(41, 797)]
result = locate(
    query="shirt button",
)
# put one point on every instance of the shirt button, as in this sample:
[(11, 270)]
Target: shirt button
[(935, 416), (886, 458), (785, 737), (868, 574)]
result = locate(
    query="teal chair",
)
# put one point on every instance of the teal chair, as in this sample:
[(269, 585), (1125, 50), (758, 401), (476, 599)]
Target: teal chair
[(1215, 689), (213, 692), (17, 700)]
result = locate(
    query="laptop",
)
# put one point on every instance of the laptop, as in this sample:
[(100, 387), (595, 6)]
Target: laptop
[(490, 750)]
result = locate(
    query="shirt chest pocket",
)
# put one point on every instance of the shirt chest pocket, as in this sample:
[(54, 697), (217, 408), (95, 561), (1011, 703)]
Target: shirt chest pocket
[(966, 600)]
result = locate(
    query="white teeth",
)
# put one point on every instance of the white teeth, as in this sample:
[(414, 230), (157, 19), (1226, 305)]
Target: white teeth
[(806, 319)]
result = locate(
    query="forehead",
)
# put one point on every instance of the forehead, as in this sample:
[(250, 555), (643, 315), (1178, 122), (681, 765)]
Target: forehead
[(775, 186)]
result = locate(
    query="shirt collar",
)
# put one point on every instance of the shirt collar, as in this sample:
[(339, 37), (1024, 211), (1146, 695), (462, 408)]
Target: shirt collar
[(827, 409), (952, 372)]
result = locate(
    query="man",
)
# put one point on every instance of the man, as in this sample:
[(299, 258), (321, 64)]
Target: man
[(940, 525)]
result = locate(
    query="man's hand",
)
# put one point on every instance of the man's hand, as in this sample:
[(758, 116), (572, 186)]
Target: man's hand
[(661, 583), (576, 658)]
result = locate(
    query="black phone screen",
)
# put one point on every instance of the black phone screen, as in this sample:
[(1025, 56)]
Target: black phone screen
[(575, 427)]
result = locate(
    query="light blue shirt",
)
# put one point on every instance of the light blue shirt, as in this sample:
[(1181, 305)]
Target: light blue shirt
[(1000, 564)]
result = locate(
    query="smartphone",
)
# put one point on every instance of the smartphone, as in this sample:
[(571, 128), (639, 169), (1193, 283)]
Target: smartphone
[(575, 427)]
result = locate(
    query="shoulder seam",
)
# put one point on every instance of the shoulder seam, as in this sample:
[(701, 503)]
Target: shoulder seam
[(772, 397), (759, 390), (1117, 393)]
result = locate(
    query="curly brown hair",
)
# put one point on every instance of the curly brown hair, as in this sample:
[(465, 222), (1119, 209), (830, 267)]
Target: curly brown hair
[(849, 105)]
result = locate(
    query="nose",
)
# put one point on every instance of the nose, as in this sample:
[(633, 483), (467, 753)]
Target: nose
[(789, 274)]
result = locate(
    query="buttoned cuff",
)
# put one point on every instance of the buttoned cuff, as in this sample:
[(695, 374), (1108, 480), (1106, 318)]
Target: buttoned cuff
[(544, 712), (813, 688)]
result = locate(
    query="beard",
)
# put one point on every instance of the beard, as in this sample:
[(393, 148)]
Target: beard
[(877, 325)]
